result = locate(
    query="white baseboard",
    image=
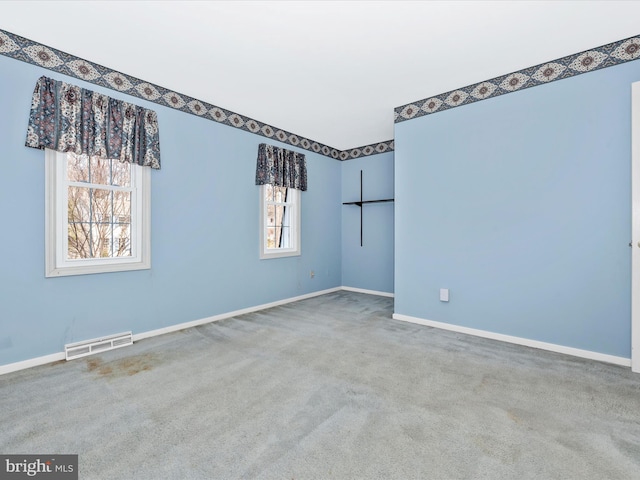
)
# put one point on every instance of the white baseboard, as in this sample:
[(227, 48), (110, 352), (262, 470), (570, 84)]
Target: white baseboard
[(625, 362), (552, 347), (54, 357), (222, 316), (368, 292), (32, 362)]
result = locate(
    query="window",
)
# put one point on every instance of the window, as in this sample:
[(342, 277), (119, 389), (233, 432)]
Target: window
[(97, 215), (279, 221)]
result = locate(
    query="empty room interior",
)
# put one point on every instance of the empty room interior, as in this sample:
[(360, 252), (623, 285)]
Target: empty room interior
[(307, 239)]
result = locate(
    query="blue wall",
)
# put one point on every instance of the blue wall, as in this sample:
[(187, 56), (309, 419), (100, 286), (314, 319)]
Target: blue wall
[(369, 266), (521, 206), (204, 234)]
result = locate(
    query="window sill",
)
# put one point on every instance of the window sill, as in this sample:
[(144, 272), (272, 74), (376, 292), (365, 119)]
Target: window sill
[(267, 256), (91, 269)]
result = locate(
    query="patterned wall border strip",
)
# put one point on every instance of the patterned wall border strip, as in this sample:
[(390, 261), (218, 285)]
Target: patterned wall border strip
[(367, 150), (565, 67), (28, 51)]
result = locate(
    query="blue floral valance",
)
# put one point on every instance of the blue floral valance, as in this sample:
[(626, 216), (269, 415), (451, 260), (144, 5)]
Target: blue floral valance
[(68, 118), (281, 167)]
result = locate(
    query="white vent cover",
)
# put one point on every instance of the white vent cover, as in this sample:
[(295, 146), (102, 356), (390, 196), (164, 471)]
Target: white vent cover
[(89, 347)]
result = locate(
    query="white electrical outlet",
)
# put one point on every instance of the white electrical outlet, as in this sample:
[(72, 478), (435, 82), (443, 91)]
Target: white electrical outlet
[(312, 274), (444, 294)]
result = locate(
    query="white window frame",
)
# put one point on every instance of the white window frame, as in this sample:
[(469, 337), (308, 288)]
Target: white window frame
[(294, 205), (56, 223)]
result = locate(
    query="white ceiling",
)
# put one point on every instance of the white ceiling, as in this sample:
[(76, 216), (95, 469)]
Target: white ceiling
[(331, 71)]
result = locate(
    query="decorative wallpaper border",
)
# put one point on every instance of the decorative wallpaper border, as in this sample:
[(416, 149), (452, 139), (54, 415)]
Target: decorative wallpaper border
[(28, 51), (565, 67)]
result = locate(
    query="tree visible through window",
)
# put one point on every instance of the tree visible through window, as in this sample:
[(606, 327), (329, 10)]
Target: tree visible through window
[(99, 207), (278, 217)]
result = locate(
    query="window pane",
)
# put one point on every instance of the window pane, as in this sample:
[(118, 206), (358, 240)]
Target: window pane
[(268, 193), (78, 206), (101, 240), (122, 240), (271, 237), (279, 213), (77, 168), (277, 239), (271, 215), (121, 173), (79, 240), (79, 229), (280, 194), (285, 238), (122, 207), (100, 171), (101, 205), (285, 216)]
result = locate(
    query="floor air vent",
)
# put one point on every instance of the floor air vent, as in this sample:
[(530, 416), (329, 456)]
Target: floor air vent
[(89, 347)]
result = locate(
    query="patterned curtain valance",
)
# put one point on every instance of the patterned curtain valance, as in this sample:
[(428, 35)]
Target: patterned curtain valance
[(68, 118), (281, 167)]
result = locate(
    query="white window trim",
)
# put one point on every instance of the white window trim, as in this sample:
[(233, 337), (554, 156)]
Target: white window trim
[(56, 262), (265, 252)]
